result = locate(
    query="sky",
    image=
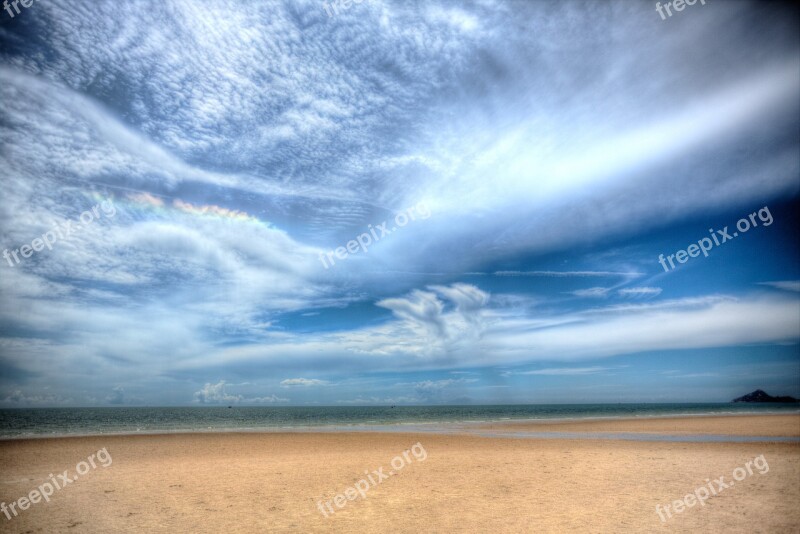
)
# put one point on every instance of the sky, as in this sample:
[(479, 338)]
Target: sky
[(397, 203)]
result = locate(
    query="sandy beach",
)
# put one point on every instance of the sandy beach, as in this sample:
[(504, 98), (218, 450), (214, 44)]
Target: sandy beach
[(279, 482)]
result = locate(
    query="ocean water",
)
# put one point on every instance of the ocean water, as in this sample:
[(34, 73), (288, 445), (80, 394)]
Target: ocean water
[(18, 423)]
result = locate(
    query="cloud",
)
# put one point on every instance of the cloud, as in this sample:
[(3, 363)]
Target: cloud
[(681, 324), (466, 297), (569, 274), (117, 397), (146, 198), (694, 375), (421, 392), (425, 313), (421, 308), (424, 392), (564, 371), (366, 401), (788, 285), (217, 394), (592, 292), (640, 291), (18, 398), (436, 385), (272, 399), (212, 210), (435, 391), (509, 338), (303, 382)]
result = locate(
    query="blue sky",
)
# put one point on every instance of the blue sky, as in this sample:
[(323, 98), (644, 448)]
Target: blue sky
[(552, 151)]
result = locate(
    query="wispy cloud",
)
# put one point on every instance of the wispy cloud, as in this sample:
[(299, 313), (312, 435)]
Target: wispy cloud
[(788, 285), (592, 292), (694, 375), (289, 382), (640, 291), (567, 371), (567, 274)]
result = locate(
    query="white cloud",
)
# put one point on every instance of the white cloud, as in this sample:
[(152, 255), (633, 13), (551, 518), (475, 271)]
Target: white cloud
[(592, 292), (640, 291), (303, 382), (563, 371), (425, 314), (217, 394), (436, 385), (434, 391), (565, 274), (272, 399), (690, 323), (366, 401), (788, 285)]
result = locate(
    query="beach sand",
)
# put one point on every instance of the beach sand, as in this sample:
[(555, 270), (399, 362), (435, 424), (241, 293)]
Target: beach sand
[(272, 482)]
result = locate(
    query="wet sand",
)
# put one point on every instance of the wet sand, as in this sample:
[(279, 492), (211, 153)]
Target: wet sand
[(737, 425)]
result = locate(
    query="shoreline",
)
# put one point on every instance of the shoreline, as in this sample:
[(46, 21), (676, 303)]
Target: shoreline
[(445, 427)]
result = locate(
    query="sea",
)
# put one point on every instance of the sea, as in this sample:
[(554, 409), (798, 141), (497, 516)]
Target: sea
[(48, 422)]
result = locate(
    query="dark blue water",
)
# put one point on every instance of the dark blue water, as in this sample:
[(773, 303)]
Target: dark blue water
[(78, 421)]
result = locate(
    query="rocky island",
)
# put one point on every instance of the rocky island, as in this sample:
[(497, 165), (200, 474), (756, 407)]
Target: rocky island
[(762, 396)]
